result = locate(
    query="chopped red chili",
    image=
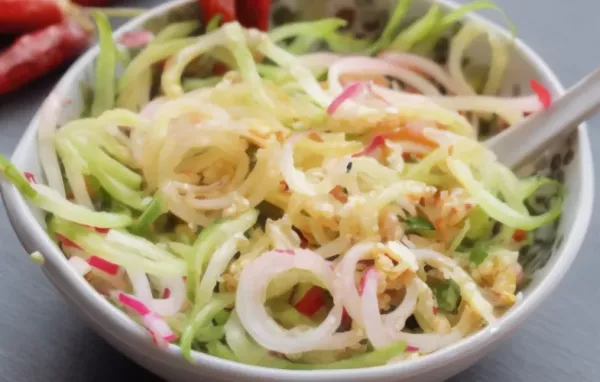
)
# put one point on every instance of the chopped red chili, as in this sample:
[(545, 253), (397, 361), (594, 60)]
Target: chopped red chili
[(542, 93), (311, 302)]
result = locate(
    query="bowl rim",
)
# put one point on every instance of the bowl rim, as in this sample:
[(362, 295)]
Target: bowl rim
[(120, 328)]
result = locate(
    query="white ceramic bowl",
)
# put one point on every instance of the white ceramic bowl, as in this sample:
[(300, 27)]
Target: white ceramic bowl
[(550, 259)]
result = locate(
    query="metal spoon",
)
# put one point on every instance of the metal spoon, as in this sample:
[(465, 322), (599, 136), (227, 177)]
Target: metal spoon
[(530, 137)]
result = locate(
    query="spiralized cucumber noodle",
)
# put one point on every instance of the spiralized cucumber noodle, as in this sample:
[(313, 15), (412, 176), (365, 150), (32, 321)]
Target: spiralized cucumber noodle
[(305, 210)]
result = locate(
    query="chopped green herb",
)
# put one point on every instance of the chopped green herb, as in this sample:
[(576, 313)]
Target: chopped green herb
[(447, 294), (478, 254), (419, 223)]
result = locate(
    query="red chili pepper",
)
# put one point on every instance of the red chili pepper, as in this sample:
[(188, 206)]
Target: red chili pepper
[(30, 177), (311, 302), (97, 229), (35, 54), (66, 241), (346, 323), (378, 141), (219, 69), (211, 8), (254, 13), (519, 235), (22, 16), (542, 93)]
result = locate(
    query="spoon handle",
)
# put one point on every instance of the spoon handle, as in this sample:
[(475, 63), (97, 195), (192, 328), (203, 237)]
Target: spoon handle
[(530, 137)]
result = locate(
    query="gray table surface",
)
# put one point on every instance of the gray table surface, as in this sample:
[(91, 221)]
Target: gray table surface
[(42, 339)]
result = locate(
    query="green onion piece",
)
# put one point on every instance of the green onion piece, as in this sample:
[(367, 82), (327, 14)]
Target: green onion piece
[(217, 349), (419, 223), (152, 212), (392, 26), (447, 295), (480, 224), (37, 258), (13, 175), (106, 64), (478, 254)]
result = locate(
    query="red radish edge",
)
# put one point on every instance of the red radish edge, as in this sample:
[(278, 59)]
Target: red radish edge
[(30, 177), (103, 265), (66, 241), (136, 39), (133, 303), (286, 251), (542, 93), (349, 92), (98, 229), (376, 142), (410, 348), (363, 279), (167, 293)]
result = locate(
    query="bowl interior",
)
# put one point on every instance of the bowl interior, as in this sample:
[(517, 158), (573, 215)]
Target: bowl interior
[(568, 161)]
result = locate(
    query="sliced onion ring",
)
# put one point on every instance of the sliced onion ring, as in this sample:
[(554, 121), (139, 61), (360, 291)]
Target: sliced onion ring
[(345, 272), (251, 294), (381, 335)]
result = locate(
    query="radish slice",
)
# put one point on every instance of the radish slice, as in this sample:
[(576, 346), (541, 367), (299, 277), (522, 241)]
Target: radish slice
[(423, 65), (159, 327), (30, 177), (133, 303), (136, 39), (345, 272), (251, 295), (103, 265), (80, 266), (542, 93), (167, 306), (350, 92), (368, 65), (156, 325)]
